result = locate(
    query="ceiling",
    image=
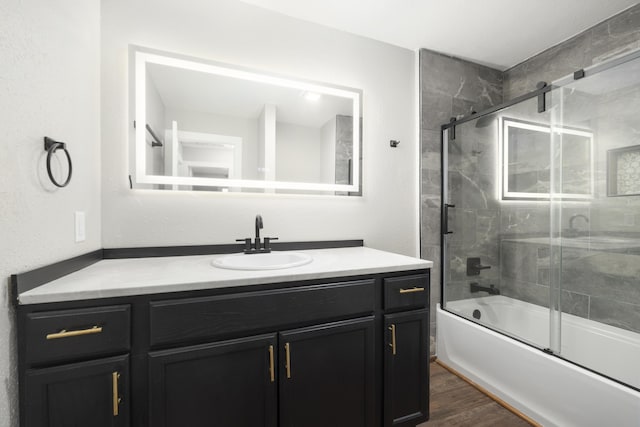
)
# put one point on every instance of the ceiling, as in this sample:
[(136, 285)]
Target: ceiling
[(498, 33)]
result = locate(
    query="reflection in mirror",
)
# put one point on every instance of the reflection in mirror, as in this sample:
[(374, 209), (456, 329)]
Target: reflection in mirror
[(527, 163), (623, 171), (223, 128)]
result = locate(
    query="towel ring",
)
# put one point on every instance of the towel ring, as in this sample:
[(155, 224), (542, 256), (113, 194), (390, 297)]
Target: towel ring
[(51, 146)]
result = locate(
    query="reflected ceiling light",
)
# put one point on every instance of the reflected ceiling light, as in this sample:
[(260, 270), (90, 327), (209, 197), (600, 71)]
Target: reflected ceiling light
[(311, 96)]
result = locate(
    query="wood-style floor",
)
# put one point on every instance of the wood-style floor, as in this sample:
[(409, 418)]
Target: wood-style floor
[(455, 403)]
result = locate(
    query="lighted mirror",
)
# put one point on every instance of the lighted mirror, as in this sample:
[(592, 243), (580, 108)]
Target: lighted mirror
[(527, 161), (203, 125)]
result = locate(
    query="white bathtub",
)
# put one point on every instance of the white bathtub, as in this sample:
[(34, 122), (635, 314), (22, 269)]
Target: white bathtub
[(544, 387)]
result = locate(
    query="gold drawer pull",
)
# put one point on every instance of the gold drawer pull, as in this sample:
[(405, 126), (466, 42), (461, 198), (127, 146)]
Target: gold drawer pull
[(392, 328), (412, 290), (287, 354), (272, 373), (66, 334), (115, 376)]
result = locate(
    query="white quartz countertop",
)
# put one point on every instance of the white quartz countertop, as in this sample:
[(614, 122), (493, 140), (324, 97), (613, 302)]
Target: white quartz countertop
[(139, 276)]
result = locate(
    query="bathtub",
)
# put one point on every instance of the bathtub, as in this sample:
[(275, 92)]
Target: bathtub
[(544, 387)]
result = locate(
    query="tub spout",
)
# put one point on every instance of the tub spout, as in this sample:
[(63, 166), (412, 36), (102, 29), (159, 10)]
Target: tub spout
[(491, 289)]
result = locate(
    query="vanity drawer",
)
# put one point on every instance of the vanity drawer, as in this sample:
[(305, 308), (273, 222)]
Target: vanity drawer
[(74, 334), (199, 319), (406, 292)]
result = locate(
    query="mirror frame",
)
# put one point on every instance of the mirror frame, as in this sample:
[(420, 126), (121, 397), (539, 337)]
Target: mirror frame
[(510, 122), (140, 56)]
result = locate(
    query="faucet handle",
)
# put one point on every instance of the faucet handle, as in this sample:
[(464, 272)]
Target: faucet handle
[(247, 243), (267, 241), (474, 266)]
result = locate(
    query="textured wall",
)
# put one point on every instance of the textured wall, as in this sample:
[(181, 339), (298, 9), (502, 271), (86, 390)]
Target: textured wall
[(237, 33), (450, 87), (49, 85)]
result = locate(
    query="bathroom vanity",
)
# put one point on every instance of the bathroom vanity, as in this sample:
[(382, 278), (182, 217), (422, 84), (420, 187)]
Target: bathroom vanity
[(174, 341)]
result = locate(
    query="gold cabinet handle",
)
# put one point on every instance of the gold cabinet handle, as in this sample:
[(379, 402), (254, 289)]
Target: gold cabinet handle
[(411, 290), (115, 377), (66, 334), (287, 353), (392, 344), (272, 373)]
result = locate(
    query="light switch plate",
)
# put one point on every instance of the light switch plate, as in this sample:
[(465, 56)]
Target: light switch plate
[(80, 227)]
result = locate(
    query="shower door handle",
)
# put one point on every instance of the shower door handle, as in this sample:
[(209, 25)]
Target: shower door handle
[(445, 218)]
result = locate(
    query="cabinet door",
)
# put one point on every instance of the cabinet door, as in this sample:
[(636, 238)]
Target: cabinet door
[(94, 393), (406, 366), (327, 375), (223, 384)]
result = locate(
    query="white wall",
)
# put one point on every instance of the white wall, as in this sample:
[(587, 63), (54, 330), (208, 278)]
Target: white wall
[(328, 152), (49, 85), (247, 129), (242, 34), (267, 144), (155, 119), (298, 153)]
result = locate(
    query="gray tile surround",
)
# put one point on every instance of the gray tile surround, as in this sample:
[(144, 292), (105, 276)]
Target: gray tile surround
[(616, 313), (615, 36), (454, 87), (344, 148), (571, 302), (590, 280)]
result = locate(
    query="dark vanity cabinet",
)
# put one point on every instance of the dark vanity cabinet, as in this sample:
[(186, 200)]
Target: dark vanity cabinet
[(69, 373), (406, 356), (240, 382), (79, 394), (274, 371), (232, 382), (328, 375), (332, 352)]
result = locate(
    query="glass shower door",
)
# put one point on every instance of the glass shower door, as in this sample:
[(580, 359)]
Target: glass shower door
[(496, 224), (541, 219), (597, 155)]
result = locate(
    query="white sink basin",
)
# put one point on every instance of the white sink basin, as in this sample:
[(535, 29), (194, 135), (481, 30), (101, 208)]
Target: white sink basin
[(269, 261)]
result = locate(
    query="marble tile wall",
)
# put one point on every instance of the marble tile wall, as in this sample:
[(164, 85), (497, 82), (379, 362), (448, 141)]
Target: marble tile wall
[(344, 148), (344, 153), (592, 281), (615, 36), (596, 284), (451, 87), (602, 286)]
